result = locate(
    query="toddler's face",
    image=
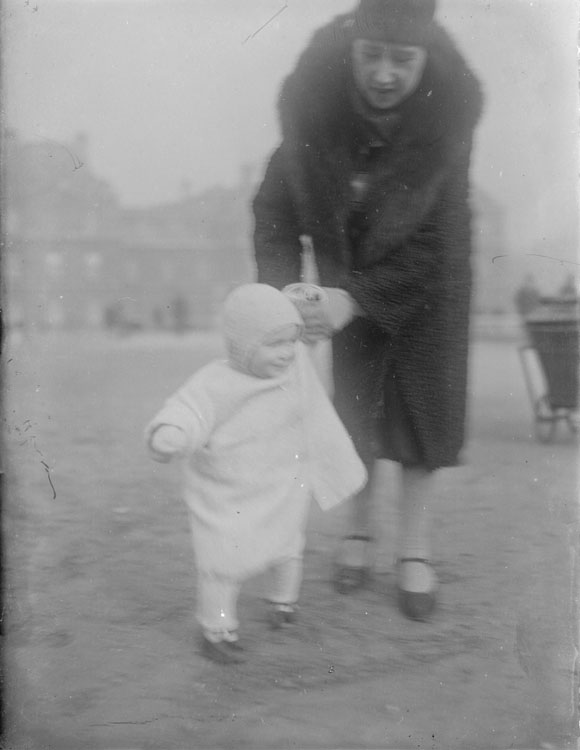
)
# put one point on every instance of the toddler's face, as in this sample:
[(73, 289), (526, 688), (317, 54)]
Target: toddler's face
[(276, 353)]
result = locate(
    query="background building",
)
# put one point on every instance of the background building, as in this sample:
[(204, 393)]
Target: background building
[(75, 258)]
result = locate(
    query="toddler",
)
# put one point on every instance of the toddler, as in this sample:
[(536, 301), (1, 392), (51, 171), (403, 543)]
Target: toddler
[(257, 438)]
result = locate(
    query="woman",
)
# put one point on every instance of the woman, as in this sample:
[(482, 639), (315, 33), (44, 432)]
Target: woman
[(377, 123)]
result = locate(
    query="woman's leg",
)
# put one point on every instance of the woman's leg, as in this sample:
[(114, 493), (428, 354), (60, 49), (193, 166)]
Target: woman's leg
[(360, 525), (361, 510), (416, 580), (415, 514), (353, 559)]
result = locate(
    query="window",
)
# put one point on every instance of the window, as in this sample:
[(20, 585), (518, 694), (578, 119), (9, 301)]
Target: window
[(93, 264), (55, 315), (54, 263), (168, 271), (131, 271), (13, 268)]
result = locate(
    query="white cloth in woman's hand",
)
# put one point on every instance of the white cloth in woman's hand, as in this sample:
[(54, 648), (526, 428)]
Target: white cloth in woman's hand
[(324, 319), (323, 314), (310, 301)]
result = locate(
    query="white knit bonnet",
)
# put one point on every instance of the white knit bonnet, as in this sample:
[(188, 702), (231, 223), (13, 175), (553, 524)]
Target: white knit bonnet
[(250, 313)]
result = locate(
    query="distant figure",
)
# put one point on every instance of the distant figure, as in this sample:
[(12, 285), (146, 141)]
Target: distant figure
[(569, 289), (180, 312), (257, 438), (111, 317), (157, 318), (527, 297)]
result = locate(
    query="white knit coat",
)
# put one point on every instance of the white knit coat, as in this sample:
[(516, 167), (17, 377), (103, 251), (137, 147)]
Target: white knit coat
[(258, 450)]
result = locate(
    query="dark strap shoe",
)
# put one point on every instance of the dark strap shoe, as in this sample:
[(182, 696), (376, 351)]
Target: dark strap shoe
[(416, 605), (349, 578)]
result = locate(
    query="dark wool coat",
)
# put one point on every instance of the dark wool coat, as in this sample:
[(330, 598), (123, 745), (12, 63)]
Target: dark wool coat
[(410, 272)]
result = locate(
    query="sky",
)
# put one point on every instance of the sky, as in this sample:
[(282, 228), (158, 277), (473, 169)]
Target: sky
[(184, 91)]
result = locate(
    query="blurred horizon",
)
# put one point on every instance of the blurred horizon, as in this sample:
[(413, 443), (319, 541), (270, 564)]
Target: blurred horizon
[(176, 95)]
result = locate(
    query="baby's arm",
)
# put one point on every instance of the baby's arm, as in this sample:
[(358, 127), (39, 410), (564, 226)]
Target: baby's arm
[(182, 426), (166, 442)]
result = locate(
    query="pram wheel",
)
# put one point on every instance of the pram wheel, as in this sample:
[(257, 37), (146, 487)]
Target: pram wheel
[(545, 424)]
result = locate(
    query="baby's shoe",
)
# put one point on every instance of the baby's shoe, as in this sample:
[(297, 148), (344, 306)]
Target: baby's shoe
[(281, 615), (222, 646)]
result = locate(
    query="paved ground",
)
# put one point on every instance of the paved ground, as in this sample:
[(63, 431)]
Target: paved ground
[(100, 646)]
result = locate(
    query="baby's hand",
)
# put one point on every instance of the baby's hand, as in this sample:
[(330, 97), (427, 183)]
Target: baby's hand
[(166, 442)]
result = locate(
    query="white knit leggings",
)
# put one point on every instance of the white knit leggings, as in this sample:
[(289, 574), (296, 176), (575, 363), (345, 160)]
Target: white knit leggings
[(217, 596)]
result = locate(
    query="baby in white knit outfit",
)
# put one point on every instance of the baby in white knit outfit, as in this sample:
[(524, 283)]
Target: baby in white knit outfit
[(257, 439)]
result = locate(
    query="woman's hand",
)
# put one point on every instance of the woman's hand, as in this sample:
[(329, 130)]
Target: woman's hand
[(324, 310), (310, 301), (323, 319), (317, 326)]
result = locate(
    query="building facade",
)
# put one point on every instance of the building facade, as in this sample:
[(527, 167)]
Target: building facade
[(75, 258)]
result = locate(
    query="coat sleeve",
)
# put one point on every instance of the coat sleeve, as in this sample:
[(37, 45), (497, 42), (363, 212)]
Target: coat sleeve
[(336, 470), (189, 409), (277, 231), (433, 263)]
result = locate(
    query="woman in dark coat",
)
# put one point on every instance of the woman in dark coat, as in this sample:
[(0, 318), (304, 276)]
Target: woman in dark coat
[(378, 120)]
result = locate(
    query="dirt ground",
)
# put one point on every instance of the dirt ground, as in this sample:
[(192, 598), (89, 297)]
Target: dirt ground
[(100, 644)]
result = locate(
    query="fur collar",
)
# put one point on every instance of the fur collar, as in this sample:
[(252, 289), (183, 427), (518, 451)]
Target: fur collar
[(314, 99), (320, 128)]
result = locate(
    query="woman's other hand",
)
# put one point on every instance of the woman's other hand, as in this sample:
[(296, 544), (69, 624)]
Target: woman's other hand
[(323, 319), (310, 301), (317, 326)]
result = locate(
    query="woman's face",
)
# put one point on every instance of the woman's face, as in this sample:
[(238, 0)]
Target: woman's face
[(386, 73)]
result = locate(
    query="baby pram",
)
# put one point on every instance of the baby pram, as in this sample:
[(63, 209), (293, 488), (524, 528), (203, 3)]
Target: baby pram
[(550, 362)]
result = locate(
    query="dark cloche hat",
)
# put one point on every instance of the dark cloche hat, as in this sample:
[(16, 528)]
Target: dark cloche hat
[(399, 21)]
